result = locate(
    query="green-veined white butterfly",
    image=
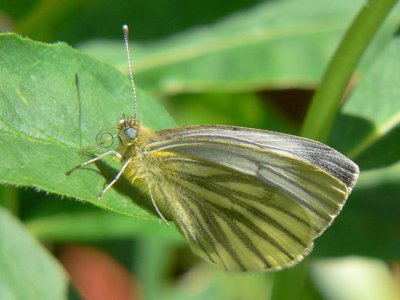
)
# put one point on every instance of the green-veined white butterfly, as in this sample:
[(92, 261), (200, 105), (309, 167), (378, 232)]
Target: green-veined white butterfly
[(245, 199)]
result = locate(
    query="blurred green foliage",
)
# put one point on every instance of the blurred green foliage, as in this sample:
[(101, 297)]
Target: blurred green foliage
[(247, 63)]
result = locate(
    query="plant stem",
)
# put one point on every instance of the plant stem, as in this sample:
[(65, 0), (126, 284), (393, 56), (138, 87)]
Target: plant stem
[(326, 101)]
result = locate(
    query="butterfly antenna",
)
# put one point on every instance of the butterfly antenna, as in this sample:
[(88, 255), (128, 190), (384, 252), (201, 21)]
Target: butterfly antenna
[(126, 32)]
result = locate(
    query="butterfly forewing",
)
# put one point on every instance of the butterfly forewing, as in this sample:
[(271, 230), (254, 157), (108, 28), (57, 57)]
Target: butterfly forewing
[(298, 148), (242, 203)]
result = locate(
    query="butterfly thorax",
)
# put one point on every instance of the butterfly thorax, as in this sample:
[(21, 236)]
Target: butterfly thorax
[(133, 138)]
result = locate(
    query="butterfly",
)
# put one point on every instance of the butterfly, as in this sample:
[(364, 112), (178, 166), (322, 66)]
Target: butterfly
[(245, 199)]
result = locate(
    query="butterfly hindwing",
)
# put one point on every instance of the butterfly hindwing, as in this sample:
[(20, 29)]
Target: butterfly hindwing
[(232, 219)]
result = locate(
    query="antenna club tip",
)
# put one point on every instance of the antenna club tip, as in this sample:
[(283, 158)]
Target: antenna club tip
[(125, 28)]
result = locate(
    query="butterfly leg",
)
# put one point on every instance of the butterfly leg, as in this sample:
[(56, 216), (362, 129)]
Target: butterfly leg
[(156, 208), (113, 152), (115, 178)]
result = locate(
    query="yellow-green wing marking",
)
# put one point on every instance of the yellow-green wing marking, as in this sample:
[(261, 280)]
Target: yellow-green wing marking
[(242, 205)]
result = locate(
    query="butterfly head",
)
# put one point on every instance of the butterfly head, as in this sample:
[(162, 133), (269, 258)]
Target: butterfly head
[(128, 130)]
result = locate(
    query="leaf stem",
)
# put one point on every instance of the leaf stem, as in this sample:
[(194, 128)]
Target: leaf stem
[(326, 101)]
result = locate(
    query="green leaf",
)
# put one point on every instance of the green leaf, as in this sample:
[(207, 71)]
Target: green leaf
[(92, 225), (277, 44), (247, 110), (27, 270), (54, 100), (368, 128)]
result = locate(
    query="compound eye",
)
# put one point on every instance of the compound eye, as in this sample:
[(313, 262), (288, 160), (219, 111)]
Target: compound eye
[(131, 133)]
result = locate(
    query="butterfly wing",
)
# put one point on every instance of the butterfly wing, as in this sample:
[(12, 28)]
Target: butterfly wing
[(242, 202), (277, 144)]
